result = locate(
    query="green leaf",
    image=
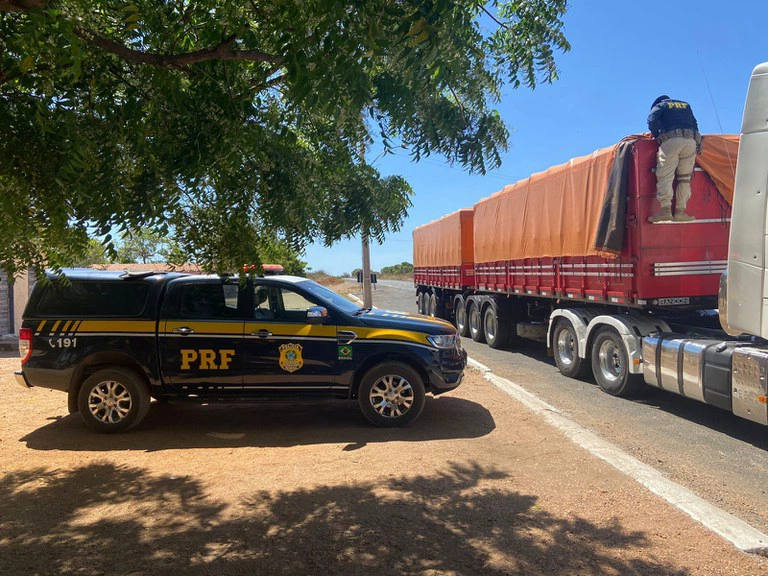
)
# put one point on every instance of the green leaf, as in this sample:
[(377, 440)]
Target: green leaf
[(417, 28), (27, 64)]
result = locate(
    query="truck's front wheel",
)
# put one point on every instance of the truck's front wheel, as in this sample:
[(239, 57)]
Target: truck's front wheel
[(610, 365), (113, 400)]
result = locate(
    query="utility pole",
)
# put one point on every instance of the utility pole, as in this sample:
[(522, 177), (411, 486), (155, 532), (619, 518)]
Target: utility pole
[(367, 295)]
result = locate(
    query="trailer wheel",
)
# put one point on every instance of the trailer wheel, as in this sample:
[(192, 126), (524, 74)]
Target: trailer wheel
[(475, 323), (461, 322), (610, 365), (496, 333), (566, 350), (420, 302), (432, 305)]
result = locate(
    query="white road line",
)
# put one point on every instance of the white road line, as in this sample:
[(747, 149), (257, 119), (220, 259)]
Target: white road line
[(736, 531), (356, 299)]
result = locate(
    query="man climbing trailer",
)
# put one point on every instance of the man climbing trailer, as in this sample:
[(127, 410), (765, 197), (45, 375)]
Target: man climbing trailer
[(569, 257), (674, 127)]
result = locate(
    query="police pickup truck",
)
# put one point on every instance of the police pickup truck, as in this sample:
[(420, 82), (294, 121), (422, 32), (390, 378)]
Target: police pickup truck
[(113, 341)]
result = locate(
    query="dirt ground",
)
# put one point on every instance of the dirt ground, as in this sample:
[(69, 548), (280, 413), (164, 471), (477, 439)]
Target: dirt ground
[(477, 485)]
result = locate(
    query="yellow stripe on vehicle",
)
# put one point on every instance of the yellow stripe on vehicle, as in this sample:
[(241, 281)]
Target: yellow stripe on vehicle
[(87, 326), (234, 328), (387, 334), (316, 330), (66, 326), (40, 327), (55, 327)]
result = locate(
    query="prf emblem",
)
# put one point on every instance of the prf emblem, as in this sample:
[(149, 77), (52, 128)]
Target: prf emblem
[(290, 357)]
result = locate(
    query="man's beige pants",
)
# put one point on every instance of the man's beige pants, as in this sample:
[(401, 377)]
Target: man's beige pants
[(676, 156)]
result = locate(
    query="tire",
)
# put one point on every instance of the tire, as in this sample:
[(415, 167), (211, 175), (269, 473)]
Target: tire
[(433, 305), (496, 333), (460, 317), (610, 365), (126, 394), (404, 385), (420, 302), (565, 349), (475, 322)]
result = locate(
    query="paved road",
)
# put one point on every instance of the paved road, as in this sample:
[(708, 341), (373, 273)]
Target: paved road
[(721, 457)]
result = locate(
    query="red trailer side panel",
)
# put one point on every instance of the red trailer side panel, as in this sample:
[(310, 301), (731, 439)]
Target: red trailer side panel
[(443, 250), (536, 237)]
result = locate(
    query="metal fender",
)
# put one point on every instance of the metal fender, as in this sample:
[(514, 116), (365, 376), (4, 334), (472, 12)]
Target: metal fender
[(632, 328), (579, 318)]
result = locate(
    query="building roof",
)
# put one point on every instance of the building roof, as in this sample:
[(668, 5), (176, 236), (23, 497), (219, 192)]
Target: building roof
[(151, 267)]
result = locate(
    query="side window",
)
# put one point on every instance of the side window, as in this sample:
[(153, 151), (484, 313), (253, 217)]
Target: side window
[(292, 306), (262, 304), (280, 304), (93, 298), (208, 301)]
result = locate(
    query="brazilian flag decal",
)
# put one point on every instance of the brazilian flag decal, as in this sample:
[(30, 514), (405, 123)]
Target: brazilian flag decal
[(345, 353)]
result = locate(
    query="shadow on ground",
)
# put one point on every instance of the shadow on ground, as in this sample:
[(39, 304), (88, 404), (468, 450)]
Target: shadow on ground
[(269, 424), (101, 519)]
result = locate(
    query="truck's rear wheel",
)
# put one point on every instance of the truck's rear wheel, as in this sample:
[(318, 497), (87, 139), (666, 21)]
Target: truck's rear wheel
[(475, 323), (496, 333), (432, 305), (565, 346), (461, 322), (610, 365), (113, 400)]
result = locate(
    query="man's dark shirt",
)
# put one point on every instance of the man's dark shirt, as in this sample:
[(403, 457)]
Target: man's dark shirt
[(671, 115)]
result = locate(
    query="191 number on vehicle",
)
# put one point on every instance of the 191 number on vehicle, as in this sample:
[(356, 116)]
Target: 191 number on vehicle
[(62, 342)]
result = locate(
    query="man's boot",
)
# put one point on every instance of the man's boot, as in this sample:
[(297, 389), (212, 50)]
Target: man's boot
[(663, 215), (683, 216)]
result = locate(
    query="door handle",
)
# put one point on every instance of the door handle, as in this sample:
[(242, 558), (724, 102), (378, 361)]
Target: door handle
[(346, 336), (184, 331), (262, 333)]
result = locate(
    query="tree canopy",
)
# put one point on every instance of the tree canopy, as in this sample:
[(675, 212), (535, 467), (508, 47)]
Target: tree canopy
[(398, 269), (226, 122)]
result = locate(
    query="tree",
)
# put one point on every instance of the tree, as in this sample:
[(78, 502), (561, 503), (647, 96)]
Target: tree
[(94, 255), (398, 269), (142, 246), (116, 116)]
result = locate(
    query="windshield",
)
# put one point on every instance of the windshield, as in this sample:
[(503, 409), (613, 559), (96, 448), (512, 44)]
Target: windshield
[(329, 296)]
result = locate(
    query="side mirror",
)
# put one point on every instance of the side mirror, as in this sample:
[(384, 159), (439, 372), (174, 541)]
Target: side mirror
[(316, 315)]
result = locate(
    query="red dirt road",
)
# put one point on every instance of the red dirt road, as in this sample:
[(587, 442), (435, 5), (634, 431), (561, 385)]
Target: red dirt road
[(477, 485)]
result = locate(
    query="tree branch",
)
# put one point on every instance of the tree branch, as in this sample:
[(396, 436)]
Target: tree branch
[(259, 85), (220, 52), (492, 17), (20, 5)]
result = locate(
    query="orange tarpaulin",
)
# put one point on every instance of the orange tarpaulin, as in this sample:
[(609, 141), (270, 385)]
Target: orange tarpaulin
[(444, 242), (718, 159), (557, 212), (552, 213)]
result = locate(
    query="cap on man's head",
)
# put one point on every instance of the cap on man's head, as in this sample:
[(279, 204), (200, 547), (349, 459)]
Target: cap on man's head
[(660, 99)]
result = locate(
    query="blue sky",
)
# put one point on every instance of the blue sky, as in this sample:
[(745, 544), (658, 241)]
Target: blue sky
[(623, 55)]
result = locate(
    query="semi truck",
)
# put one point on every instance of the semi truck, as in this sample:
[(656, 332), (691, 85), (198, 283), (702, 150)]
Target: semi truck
[(568, 257)]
